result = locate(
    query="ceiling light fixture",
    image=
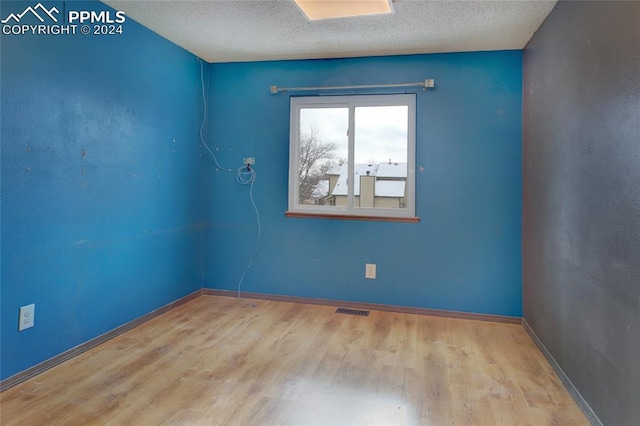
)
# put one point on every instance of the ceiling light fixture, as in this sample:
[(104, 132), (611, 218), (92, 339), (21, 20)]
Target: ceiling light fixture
[(327, 9)]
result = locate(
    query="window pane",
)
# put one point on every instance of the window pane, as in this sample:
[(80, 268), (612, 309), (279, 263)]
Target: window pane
[(336, 140), (380, 151), (323, 151)]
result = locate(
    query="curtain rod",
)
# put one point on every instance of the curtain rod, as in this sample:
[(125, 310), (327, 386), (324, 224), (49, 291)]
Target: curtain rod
[(428, 83)]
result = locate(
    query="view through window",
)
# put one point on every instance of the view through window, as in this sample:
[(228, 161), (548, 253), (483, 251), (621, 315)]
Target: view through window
[(365, 171)]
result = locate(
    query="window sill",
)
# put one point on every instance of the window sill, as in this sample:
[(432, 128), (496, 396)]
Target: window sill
[(353, 217)]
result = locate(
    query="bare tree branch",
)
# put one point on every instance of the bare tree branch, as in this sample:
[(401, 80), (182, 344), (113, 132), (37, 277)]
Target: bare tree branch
[(315, 161)]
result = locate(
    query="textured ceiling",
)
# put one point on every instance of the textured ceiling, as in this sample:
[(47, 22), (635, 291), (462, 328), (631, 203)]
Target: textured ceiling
[(243, 30)]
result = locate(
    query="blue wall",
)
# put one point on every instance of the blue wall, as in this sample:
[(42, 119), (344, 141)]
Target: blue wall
[(464, 255), (96, 239), (105, 192)]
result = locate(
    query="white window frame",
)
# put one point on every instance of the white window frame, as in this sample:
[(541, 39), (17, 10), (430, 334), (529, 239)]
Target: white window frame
[(351, 102)]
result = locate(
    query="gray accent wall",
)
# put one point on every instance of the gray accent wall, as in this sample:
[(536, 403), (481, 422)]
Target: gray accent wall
[(581, 200)]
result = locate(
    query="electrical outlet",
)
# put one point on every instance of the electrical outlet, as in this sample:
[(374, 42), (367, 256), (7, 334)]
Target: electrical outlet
[(370, 271), (27, 316), (250, 161)]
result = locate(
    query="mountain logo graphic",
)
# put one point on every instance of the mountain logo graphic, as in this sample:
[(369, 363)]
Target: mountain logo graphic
[(34, 11)]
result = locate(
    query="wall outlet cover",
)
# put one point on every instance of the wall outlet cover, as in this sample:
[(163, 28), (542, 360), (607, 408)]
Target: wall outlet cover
[(370, 271), (27, 317)]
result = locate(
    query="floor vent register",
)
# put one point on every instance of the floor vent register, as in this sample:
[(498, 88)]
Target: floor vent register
[(358, 312)]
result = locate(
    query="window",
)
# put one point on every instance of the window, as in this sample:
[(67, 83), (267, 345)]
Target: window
[(352, 156)]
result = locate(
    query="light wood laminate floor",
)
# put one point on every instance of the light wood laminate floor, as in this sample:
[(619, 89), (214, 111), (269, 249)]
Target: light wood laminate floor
[(224, 361)]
